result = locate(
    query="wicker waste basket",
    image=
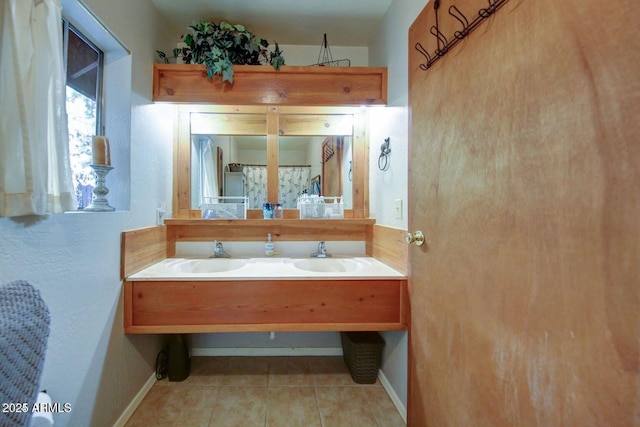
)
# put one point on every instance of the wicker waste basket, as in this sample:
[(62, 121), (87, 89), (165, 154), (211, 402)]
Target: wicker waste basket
[(362, 354)]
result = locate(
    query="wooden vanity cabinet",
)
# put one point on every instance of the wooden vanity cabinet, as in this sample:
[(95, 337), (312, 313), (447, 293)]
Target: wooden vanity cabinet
[(264, 305)]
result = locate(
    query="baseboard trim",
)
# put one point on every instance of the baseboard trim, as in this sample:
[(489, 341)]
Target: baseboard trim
[(131, 408), (392, 394), (274, 351)]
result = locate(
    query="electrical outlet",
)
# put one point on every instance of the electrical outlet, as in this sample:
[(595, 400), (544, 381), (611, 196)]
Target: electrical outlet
[(398, 207)]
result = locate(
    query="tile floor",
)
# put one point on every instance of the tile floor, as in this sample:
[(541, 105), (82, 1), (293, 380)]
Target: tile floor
[(267, 391)]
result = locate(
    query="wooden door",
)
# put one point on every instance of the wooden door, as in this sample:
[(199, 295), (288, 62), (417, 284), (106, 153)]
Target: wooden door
[(525, 179)]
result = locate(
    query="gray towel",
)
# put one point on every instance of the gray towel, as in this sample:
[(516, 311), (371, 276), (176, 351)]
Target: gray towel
[(24, 330)]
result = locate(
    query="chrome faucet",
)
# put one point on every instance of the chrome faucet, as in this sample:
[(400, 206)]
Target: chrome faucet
[(321, 253), (218, 251)]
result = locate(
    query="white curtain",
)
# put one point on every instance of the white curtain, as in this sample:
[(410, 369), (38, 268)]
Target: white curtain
[(35, 175), (291, 181)]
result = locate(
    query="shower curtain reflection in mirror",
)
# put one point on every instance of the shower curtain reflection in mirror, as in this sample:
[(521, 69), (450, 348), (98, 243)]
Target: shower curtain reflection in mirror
[(255, 185), (292, 180)]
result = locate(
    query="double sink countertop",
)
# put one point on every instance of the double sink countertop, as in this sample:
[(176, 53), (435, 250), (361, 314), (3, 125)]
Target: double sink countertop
[(273, 268)]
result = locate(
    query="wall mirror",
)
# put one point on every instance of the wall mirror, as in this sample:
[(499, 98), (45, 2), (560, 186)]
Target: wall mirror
[(269, 154)]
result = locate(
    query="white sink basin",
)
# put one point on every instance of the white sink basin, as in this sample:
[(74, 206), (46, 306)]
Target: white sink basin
[(211, 265), (329, 265)]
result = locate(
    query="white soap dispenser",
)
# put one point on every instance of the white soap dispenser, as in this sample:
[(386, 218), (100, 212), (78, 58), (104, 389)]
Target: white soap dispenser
[(269, 246)]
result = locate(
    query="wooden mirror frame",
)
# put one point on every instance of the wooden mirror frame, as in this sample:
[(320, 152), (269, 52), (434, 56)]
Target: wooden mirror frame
[(182, 156)]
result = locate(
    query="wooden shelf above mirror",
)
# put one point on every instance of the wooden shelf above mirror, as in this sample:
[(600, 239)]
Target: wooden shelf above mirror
[(263, 85)]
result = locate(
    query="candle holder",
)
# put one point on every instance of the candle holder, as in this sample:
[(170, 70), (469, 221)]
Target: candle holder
[(99, 202)]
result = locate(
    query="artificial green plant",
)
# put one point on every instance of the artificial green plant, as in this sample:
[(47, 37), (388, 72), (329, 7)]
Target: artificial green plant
[(219, 47)]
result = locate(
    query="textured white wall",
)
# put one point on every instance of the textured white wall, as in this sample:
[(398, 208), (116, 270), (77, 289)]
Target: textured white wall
[(385, 187), (74, 259), (308, 55), (286, 343)]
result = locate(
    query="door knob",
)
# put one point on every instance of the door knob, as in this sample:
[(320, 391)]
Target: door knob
[(417, 238)]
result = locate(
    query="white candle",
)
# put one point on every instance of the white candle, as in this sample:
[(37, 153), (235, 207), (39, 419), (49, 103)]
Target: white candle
[(101, 153)]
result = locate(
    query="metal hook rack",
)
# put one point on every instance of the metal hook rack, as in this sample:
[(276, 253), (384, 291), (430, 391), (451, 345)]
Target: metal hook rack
[(444, 45)]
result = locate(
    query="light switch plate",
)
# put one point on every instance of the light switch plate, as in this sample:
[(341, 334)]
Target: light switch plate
[(398, 207)]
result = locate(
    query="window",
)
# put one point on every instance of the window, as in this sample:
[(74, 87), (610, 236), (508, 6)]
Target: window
[(99, 69), (84, 68)]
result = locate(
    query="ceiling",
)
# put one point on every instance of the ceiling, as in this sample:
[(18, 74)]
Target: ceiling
[(293, 22)]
